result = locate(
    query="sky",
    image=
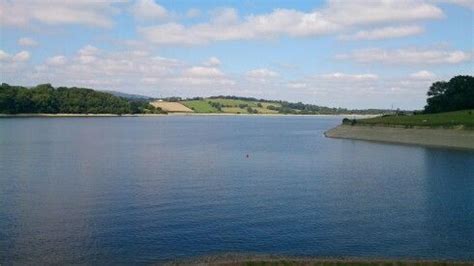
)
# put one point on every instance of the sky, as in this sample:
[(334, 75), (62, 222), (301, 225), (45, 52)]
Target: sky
[(336, 53)]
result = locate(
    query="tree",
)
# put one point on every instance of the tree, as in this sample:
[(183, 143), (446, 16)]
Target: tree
[(457, 94), (46, 99)]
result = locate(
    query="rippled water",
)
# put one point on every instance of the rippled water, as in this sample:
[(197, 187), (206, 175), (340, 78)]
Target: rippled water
[(142, 190)]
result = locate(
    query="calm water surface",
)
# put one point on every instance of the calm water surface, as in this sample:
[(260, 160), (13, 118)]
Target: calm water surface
[(145, 190)]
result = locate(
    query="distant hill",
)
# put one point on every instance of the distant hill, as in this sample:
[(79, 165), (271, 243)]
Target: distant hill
[(246, 105)]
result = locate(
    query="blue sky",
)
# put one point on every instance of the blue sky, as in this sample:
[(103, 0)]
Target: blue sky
[(355, 54)]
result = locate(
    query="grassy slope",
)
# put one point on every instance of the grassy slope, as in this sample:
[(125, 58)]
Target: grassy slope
[(451, 119), (203, 106), (200, 106)]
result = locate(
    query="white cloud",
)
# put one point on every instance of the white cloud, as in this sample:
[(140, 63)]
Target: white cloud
[(212, 61), (21, 56), (297, 85), (349, 77), (4, 55), (58, 60), (25, 41), (336, 16), (384, 33), (423, 75), (261, 73), (148, 9), (363, 12), (206, 72), (408, 56), (56, 12), (135, 71)]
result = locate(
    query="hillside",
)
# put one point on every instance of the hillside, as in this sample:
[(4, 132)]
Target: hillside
[(463, 118), (234, 106), (243, 105)]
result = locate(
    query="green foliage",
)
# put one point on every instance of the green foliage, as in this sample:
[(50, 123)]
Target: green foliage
[(250, 110), (450, 119), (456, 94), (46, 99)]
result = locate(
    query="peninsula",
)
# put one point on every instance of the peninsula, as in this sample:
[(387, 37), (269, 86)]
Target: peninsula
[(438, 125)]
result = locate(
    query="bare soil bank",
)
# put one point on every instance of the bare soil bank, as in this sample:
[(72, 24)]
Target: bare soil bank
[(450, 138)]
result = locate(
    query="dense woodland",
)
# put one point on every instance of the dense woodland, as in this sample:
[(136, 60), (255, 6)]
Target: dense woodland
[(456, 94), (47, 99)]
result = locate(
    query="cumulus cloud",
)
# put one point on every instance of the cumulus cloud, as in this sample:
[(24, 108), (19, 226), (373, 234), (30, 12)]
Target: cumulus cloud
[(19, 57), (148, 9), (25, 41), (212, 61), (135, 71), (336, 16), (408, 56), (207, 72), (58, 60), (423, 75), (4, 55), (348, 77), (384, 33), (55, 12), (261, 74)]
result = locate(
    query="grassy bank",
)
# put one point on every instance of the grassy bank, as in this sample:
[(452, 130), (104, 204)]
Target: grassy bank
[(463, 119), (282, 260)]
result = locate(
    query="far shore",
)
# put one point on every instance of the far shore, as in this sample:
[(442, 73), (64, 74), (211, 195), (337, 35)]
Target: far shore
[(178, 114), (239, 259), (434, 137)]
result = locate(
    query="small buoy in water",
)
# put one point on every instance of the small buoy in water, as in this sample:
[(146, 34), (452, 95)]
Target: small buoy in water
[(247, 156)]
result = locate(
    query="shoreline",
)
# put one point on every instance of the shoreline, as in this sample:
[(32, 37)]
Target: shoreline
[(174, 114), (243, 259), (430, 137)]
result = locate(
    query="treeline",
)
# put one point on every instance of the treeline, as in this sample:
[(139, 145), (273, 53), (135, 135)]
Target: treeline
[(456, 94), (47, 99)]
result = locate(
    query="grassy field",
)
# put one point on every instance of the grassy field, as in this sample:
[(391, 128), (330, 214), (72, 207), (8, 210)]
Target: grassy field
[(450, 119), (229, 106), (200, 106)]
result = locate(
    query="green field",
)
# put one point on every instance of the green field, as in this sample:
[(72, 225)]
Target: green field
[(229, 106), (450, 119), (200, 106)]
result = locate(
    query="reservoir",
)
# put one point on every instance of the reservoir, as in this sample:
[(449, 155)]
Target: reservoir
[(125, 190)]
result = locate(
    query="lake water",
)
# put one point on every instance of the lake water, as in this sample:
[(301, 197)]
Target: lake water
[(154, 189)]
